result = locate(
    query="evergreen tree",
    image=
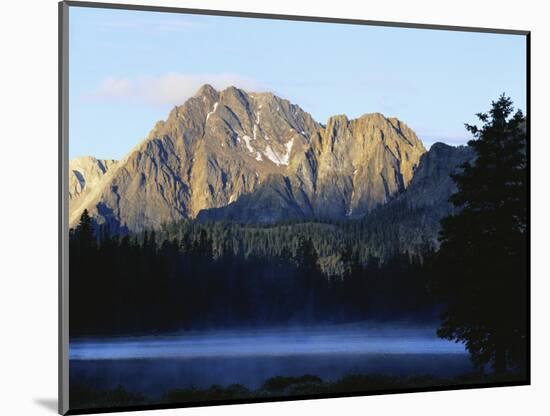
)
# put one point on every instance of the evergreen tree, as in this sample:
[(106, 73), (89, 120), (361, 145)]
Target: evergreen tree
[(85, 231), (306, 256), (482, 261)]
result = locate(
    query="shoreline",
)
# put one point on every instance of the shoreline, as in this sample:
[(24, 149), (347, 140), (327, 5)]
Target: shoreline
[(84, 397)]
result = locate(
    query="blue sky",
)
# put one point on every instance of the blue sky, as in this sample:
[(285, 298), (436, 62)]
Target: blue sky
[(129, 68)]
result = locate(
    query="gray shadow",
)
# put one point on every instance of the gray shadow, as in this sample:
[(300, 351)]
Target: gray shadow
[(48, 404)]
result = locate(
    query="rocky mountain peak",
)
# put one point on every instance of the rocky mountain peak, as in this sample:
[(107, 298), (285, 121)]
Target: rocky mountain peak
[(206, 90), (224, 148)]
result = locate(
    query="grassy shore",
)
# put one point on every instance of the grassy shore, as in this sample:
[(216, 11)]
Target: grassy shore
[(83, 397)]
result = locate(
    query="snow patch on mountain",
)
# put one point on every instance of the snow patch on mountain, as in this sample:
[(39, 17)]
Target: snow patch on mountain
[(213, 111), (271, 155), (278, 159), (247, 140), (288, 147)]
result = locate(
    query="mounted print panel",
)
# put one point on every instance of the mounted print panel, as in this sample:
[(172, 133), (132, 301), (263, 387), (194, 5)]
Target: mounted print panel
[(261, 208)]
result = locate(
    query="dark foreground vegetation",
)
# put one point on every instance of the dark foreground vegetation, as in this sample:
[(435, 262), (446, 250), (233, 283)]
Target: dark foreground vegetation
[(280, 387), (482, 266), (132, 286)]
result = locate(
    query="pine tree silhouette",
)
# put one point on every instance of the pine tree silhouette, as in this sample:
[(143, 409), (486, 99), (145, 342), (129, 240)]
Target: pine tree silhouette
[(482, 261)]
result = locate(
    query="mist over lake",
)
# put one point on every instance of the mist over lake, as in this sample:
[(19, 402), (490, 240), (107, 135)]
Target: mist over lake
[(199, 359)]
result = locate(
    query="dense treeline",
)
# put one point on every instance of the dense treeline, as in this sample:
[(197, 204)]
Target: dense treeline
[(384, 234), (147, 283)]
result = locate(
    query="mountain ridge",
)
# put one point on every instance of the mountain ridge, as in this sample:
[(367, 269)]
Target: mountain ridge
[(225, 147)]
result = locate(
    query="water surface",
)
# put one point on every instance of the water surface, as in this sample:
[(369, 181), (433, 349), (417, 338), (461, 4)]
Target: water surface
[(155, 365)]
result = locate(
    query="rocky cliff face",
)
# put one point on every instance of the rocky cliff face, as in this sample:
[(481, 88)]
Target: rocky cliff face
[(362, 163), (233, 154), (432, 185), (426, 200), (85, 174)]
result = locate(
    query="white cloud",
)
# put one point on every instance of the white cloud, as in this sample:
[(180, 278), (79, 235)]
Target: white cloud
[(113, 87), (171, 88)]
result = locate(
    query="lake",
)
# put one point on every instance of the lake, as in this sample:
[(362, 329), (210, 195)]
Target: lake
[(154, 365)]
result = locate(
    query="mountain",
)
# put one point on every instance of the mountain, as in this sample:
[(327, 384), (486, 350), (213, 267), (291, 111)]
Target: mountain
[(350, 167), (85, 174), (432, 184), (256, 157), (412, 218), (408, 223)]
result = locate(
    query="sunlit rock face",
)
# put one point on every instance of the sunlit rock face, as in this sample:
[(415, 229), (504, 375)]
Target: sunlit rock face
[(250, 156), (85, 174)]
